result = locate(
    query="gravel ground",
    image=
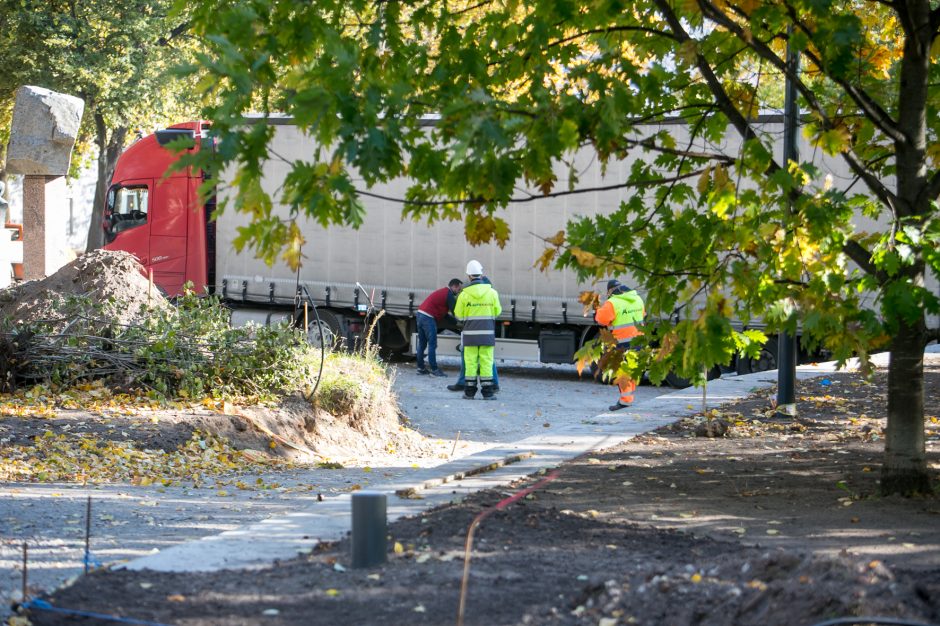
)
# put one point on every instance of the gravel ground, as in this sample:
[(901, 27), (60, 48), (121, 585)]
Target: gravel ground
[(740, 518), (131, 521)]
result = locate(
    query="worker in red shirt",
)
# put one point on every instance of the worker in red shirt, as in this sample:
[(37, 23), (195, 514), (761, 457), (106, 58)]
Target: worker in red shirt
[(432, 311)]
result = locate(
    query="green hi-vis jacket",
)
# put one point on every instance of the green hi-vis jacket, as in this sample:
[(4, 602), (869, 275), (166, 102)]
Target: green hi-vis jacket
[(478, 307), (628, 312)]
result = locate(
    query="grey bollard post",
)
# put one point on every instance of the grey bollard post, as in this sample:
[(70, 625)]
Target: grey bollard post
[(369, 529)]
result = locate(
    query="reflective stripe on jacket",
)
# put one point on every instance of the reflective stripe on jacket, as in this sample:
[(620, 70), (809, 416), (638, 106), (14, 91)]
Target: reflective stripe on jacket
[(621, 313), (478, 307)]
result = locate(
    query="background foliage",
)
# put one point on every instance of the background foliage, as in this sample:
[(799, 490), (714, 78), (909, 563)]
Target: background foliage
[(715, 225), (116, 56)]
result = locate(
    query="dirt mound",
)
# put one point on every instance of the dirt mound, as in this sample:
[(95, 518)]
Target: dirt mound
[(115, 279)]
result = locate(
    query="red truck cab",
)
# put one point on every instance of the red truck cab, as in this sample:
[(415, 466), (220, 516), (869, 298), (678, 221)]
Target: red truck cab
[(156, 215)]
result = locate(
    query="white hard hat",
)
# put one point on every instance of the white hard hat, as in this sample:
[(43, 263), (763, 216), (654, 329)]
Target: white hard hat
[(474, 268)]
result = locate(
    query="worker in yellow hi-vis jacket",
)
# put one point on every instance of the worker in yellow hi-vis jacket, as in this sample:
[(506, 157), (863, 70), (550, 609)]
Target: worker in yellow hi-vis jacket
[(477, 308), (622, 313)]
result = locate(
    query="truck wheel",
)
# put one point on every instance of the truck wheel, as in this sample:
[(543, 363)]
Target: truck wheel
[(677, 382), (391, 340), (328, 332), (767, 360)]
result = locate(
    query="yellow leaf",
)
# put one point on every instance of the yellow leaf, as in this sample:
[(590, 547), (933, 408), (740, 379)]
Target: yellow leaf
[(332, 593), (336, 165), (696, 578), (704, 180), (590, 300), (293, 249), (398, 548), (721, 177), (585, 258), (688, 51), (545, 260), (558, 239), (690, 6)]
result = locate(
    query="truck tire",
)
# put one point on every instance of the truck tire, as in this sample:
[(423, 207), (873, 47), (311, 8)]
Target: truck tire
[(677, 382), (327, 334), (767, 360), (391, 340)]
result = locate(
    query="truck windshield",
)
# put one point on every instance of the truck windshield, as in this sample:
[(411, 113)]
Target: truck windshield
[(127, 207)]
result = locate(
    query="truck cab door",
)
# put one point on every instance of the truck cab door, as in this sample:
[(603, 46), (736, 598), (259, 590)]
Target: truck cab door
[(168, 233), (127, 218)]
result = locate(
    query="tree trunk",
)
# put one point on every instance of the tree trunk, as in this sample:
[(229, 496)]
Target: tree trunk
[(109, 149), (905, 464), (5, 196)]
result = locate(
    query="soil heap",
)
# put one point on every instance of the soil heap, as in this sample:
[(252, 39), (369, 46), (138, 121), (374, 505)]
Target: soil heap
[(115, 279)]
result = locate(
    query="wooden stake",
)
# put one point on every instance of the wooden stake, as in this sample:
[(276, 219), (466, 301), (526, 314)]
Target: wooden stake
[(25, 571), (306, 320), (149, 285), (705, 390), (454, 449), (87, 533)]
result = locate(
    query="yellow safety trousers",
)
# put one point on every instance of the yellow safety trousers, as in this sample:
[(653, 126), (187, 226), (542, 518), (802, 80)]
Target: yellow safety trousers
[(478, 360)]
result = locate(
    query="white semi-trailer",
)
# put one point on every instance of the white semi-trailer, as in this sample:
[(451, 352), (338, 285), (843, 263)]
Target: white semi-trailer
[(389, 263)]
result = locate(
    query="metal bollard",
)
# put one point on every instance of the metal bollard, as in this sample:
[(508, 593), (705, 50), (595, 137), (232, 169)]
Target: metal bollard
[(369, 529)]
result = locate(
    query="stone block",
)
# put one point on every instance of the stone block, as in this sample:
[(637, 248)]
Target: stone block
[(45, 125)]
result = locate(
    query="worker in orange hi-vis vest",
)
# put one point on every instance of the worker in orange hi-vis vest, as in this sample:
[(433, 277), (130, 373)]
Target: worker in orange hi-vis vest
[(622, 313)]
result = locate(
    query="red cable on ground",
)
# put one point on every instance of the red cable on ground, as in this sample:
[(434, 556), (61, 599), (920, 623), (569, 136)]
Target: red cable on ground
[(502, 504)]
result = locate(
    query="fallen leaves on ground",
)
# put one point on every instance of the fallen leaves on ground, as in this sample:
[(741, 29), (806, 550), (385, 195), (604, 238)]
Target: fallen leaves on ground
[(71, 458), (75, 457), (43, 401)]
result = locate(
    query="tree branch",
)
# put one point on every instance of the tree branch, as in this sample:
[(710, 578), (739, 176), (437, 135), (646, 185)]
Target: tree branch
[(862, 257), (935, 20), (649, 144), (626, 264), (932, 334), (613, 29), (933, 186), (873, 111), (874, 183), (176, 32), (533, 197), (722, 99)]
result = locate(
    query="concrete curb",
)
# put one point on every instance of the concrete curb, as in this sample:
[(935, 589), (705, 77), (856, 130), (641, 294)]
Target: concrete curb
[(283, 537)]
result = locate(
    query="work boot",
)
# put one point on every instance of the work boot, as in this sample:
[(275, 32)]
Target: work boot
[(618, 406), (488, 391), (437, 372), (469, 391), (423, 372), (455, 387)]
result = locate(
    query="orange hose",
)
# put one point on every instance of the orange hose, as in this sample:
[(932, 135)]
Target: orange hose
[(468, 545)]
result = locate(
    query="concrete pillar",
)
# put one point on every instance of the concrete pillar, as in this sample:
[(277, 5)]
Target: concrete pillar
[(43, 197)]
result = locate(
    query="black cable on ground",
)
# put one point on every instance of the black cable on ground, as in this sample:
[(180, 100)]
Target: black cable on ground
[(880, 621)]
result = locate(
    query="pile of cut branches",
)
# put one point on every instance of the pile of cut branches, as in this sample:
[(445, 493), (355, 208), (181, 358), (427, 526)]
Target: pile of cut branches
[(185, 351)]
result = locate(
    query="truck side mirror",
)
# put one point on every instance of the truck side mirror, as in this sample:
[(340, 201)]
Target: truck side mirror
[(107, 218)]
